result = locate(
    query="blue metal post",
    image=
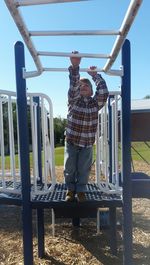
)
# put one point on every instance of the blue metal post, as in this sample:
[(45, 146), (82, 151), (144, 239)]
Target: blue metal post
[(40, 212), (24, 154), (40, 227), (126, 154), (113, 230)]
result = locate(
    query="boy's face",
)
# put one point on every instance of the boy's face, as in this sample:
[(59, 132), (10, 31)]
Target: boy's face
[(85, 89)]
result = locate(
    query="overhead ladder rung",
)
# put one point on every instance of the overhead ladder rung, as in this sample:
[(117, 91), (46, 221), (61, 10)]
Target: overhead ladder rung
[(65, 54), (110, 72), (41, 2), (73, 33)]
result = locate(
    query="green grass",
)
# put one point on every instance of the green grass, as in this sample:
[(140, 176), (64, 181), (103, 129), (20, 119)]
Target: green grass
[(141, 148), (59, 156), (138, 147), (7, 161), (141, 151)]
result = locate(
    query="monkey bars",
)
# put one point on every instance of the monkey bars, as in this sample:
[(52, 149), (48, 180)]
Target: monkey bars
[(120, 34)]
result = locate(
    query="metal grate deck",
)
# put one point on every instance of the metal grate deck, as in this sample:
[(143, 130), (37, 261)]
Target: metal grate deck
[(95, 197)]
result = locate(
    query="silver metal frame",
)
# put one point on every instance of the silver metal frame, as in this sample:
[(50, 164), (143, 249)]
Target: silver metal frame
[(120, 34)]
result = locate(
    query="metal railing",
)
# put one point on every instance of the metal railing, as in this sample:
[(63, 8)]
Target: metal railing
[(108, 163), (41, 135)]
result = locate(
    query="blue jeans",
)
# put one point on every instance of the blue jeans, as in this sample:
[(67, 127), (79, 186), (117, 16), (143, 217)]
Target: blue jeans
[(77, 163)]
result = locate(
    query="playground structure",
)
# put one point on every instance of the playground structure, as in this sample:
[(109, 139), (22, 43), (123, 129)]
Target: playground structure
[(38, 188)]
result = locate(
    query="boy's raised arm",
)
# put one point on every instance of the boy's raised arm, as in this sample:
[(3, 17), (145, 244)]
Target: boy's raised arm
[(74, 76), (101, 93)]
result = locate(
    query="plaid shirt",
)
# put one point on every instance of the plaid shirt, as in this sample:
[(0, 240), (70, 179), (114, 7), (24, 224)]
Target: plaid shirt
[(82, 115)]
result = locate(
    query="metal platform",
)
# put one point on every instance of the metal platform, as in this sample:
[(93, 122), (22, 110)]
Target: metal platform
[(56, 198)]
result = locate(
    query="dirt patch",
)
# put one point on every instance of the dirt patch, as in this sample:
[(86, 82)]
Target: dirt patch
[(72, 246)]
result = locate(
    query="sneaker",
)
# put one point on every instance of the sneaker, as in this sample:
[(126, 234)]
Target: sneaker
[(70, 196), (81, 196)]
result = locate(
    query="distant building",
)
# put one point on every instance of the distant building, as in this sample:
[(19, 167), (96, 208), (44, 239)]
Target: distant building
[(140, 120)]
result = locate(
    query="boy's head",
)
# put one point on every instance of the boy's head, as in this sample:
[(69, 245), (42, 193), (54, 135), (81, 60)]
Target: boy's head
[(85, 87)]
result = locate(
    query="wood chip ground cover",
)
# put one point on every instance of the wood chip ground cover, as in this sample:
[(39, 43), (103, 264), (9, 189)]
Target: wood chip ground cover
[(72, 246)]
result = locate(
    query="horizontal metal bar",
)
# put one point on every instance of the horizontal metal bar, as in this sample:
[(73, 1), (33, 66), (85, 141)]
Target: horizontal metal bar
[(73, 32), (6, 92), (66, 69), (30, 74), (110, 72), (41, 2), (114, 72), (36, 73), (124, 29), (66, 54)]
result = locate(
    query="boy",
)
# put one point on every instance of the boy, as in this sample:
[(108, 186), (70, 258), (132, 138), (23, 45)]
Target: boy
[(82, 120)]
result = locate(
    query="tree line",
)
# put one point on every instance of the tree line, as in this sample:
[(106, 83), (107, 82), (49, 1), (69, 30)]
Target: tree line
[(59, 128), (59, 131)]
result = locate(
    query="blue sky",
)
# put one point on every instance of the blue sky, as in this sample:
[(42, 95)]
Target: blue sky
[(90, 15)]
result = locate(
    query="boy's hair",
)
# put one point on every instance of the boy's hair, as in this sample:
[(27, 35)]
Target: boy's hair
[(87, 81)]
